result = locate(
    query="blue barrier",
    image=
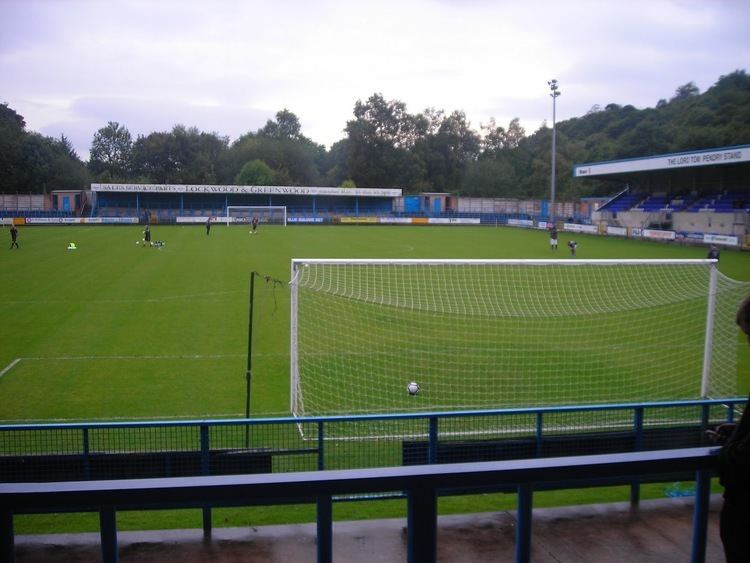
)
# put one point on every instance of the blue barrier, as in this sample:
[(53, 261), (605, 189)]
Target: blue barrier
[(422, 485), (86, 451)]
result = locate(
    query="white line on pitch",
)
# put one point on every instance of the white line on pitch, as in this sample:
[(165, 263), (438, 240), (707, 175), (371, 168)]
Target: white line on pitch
[(144, 300), (167, 357), (10, 366), (205, 416)]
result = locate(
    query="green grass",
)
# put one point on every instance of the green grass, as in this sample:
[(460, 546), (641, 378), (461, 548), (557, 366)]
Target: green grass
[(511, 336), (114, 331)]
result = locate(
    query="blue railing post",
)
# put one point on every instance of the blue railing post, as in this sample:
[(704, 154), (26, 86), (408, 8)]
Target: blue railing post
[(523, 523), (108, 532), (700, 516), (205, 470), (325, 528), (421, 525), (86, 460), (539, 434), (705, 417), (321, 444), (635, 485), (7, 538), (324, 508), (432, 444)]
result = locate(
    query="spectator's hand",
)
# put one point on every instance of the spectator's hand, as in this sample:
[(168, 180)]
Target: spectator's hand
[(721, 433)]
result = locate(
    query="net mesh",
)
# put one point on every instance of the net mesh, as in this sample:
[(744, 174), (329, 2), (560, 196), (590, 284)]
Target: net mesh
[(500, 334)]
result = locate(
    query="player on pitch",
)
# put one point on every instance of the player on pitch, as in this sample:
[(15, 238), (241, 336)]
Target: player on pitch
[(13, 236)]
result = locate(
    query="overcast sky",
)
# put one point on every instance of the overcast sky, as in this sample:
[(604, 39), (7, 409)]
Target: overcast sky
[(70, 66)]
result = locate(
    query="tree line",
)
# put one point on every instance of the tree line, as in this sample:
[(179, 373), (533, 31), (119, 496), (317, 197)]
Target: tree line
[(386, 146)]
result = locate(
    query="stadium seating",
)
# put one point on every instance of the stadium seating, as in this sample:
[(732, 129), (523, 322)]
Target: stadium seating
[(717, 202), (655, 203), (623, 202)]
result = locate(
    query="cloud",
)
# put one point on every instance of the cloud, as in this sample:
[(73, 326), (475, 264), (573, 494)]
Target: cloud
[(142, 116), (228, 66)]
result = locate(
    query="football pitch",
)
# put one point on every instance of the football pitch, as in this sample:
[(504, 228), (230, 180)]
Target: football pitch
[(116, 331)]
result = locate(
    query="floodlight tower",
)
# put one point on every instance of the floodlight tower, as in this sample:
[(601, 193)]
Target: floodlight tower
[(554, 92)]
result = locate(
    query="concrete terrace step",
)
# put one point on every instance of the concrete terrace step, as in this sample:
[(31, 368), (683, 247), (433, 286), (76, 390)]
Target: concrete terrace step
[(657, 531)]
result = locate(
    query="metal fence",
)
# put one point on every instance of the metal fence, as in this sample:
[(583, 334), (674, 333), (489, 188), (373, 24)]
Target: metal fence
[(90, 451), (421, 484)]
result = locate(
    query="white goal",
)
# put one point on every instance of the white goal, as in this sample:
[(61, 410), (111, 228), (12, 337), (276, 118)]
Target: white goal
[(486, 334), (270, 214)]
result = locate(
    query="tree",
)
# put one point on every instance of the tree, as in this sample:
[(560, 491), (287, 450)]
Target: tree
[(515, 133), (255, 173), (185, 155), (153, 159), (33, 163), (12, 135), (380, 139), (452, 148), (385, 121), (494, 139), (67, 148), (286, 126), (67, 171), (685, 91), (110, 155)]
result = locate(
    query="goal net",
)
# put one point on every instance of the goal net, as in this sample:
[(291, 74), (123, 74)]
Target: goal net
[(270, 214), (490, 334)]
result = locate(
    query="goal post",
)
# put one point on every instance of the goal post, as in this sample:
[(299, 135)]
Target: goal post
[(244, 214), (486, 334)]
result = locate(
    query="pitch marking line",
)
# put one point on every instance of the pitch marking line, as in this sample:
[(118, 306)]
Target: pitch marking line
[(164, 299), (180, 418), (10, 366), (145, 357), (17, 361)]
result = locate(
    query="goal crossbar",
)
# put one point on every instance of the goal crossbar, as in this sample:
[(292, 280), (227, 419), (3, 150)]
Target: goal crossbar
[(502, 261)]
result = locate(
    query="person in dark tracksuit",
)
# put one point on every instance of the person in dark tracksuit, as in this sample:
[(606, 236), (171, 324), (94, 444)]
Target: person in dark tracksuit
[(573, 245), (13, 236), (713, 253), (208, 226), (734, 474)]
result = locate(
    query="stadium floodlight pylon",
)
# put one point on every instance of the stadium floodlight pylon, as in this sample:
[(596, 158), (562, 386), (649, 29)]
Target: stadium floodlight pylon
[(486, 334), (268, 214)]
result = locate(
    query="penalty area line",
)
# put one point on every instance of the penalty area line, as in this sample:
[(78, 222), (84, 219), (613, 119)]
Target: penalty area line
[(144, 357), (180, 418), (10, 366), (15, 362)]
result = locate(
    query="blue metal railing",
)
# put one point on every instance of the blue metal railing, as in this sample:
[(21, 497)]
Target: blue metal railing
[(277, 447), (533, 432), (422, 484)]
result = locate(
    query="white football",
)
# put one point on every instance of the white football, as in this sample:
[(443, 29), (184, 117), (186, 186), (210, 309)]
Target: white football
[(413, 388)]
